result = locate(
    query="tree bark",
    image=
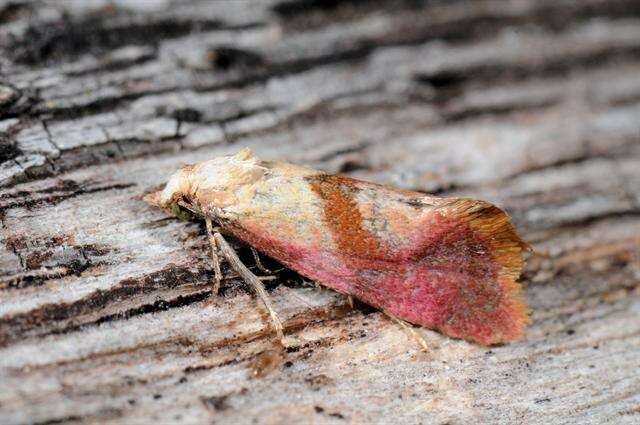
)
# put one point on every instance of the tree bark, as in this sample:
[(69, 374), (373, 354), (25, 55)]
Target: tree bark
[(105, 308)]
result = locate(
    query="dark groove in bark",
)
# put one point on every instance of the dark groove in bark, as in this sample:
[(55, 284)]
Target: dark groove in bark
[(66, 189), (48, 317), (67, 39), (156, 306)]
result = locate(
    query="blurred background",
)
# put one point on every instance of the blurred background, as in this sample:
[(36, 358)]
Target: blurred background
[(104, 311)]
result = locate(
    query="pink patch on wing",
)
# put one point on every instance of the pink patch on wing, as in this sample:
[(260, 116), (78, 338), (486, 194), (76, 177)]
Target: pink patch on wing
[(457, 275)]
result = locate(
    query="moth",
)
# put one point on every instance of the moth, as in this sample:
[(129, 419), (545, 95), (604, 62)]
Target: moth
[(448, 264)]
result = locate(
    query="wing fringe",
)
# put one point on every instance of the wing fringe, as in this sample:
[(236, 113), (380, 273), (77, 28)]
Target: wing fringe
[(494, 226)]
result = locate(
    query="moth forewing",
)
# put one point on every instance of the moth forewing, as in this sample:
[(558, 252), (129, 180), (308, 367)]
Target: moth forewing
[(448, 264)]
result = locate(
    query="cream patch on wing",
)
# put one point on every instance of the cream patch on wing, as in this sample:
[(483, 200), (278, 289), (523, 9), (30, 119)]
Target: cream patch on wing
[(217, 181), (286, 208), (285, 169)]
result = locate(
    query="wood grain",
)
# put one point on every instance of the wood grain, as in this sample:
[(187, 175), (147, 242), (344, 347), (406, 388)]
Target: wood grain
[(105, 314)]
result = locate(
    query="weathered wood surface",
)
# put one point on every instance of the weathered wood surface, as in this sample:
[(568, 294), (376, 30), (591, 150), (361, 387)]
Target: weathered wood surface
[(104, 308)]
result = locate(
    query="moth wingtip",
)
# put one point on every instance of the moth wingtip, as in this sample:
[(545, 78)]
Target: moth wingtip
[(494, 226), (521, 318)]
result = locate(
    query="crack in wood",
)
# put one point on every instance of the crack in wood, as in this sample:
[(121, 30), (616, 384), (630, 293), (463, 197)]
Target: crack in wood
[(50, 317), (530, 104), (61, 191)]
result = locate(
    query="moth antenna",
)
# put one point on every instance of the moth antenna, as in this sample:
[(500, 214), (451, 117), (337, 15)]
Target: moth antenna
[(236, 264)]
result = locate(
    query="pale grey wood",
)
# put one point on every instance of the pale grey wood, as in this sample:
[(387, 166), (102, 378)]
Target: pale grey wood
[(105, 307)]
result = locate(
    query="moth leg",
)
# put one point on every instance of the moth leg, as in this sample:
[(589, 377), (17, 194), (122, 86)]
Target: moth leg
[(217, 275), (260, 266), (231, 256), (256, 258), (350, 300), (419, 339)]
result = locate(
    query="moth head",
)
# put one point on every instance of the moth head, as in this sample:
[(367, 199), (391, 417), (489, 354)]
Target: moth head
[(210, 184)]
